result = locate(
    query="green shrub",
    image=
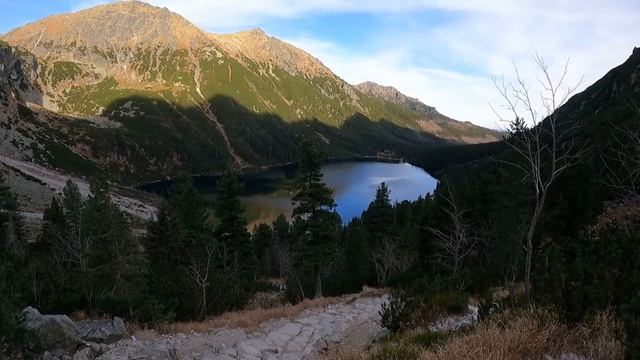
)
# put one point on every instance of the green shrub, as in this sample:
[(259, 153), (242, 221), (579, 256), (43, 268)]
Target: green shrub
[(424, 300), (393, 314), (597, 271)]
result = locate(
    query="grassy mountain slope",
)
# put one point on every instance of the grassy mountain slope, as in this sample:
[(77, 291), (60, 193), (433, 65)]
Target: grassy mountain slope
[(141, 92)]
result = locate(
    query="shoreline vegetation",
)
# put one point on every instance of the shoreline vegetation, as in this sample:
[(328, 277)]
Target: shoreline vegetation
[(258, 170)]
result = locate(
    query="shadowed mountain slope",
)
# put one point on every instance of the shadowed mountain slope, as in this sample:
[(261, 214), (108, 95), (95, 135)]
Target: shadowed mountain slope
[(137, 88)]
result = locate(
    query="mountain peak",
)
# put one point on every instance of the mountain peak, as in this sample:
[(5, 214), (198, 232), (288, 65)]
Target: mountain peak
[(258, 46), (122, 24), (258, 32)]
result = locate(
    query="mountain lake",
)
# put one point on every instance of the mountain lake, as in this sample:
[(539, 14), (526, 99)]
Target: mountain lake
[(268, 193)]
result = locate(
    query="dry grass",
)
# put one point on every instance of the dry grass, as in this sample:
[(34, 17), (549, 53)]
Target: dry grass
[(251, 319), (533, 334), (514, 335)]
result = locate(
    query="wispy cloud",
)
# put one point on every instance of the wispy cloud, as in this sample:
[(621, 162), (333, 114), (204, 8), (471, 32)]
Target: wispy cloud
[(450, 65)]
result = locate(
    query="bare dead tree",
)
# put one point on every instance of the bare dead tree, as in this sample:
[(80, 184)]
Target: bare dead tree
[(199, 271), (544, 147), (454, 245), (390, 259)]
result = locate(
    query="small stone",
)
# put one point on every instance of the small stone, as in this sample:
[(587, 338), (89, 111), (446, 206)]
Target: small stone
[(84, 354), (291, 329)]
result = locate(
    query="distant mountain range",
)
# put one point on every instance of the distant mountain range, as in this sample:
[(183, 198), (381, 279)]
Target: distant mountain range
[(139, 92)]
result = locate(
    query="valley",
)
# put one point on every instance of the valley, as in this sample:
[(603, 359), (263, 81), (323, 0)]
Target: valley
[(125, 105)]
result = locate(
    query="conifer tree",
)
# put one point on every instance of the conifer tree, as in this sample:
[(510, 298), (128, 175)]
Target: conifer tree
[(167, 255), (47, 274), (178, 245), (262, 243), (10, 253), (357, 265), (379, 215), (315, 207), (72, 203), (283, 245), (231, 233)]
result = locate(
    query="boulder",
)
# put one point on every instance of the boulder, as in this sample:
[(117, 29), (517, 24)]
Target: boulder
[(55, 334), (457, 322), (102, 331)]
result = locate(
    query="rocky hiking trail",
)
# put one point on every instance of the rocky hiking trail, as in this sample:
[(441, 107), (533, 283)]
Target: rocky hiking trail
[(350, 325)]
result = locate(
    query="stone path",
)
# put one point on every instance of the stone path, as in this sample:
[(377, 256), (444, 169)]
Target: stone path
[(351, 325)]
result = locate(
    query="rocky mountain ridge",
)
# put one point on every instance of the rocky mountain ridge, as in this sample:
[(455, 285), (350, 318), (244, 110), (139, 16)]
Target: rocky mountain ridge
[(391, 94), (138, 92)]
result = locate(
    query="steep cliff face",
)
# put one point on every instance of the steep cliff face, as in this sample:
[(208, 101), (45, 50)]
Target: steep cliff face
[(18, 86), (18, 74), (141, 92)]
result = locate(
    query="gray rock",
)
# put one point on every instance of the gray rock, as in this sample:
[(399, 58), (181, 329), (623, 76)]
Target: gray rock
[(95, 347), (85, 354), (55, 334), (47, 356), (102, 331), (457, 322), (153, 351)]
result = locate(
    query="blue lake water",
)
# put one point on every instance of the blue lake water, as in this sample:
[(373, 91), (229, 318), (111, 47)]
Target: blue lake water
[(354, 185)]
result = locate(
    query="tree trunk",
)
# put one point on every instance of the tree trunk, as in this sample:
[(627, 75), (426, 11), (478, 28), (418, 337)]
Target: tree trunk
[(529, 246), (316, 271), (203, 311)]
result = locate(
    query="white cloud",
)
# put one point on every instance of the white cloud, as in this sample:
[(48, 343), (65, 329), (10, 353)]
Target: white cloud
[(464, 97), (485, 40)]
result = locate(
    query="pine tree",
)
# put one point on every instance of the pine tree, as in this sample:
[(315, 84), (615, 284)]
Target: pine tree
[(47, 271), (179, 246), (120, 261), (167, 255), (72, 203), (315, 207), (262, 243), (86, 256), (312, 195), (357, 266), (231, 233), (283, 245), (379, 217), (10, 253)]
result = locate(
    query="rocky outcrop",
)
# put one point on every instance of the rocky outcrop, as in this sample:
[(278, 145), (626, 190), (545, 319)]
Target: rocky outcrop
[(56, 335), (18, 75), (393, 95), (53, 337), (456, 322), (102, 331)]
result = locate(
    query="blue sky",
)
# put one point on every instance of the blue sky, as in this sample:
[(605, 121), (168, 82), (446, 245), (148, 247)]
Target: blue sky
[(442, 51)]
